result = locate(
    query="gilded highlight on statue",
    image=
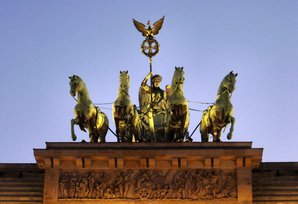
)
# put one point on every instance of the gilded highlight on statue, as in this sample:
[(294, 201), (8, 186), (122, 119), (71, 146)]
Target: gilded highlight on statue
[(86, 115), (150, 46), (219, 115), (152, 100), (125, 114), (178, 111)]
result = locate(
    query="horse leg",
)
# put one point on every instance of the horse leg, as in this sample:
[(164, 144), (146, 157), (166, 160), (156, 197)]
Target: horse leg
[(216, 136), (204, 132), (170, 133), (93, 134), (92, 137), (72, 123), (117, 124), (230, 134), (182, 130), (120, 129), (204, 136)]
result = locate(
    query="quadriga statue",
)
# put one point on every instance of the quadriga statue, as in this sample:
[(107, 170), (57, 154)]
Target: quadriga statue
[(86, 115), (219, 115)]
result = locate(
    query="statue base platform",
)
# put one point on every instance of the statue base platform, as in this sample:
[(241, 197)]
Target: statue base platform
[(155, 173)]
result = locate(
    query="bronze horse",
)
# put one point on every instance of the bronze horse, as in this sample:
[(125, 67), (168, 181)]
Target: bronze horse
[(86, 115), (220, 114), (125, 114), (178, 116)]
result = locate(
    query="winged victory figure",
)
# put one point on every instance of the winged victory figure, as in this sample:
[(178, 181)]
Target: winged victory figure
[(150, 31)]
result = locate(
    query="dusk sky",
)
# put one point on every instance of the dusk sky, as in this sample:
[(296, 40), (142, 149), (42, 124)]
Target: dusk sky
[(44, 42)]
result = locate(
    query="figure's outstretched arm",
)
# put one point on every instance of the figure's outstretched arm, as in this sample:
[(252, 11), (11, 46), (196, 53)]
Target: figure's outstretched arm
[(144, 82)]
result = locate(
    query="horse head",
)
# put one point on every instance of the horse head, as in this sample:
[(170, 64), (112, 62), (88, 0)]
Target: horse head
[(124, 81), (228, 83), (177, 80), (75, 85), (179, 75)]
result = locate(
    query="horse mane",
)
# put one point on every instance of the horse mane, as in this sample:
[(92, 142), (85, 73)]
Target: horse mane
[(86, 93), (222, 88), (176, 95)]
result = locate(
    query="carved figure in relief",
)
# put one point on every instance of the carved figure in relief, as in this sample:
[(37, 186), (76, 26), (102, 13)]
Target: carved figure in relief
[(127, 182), (119, 183), (86, 115), (99, 184), (90, 183), (142, 178), (230, 185), (149, 184), (64, 185), (219, 115), (189, 184), (73, 184), (82, 188), (181, 193), (108, 194)]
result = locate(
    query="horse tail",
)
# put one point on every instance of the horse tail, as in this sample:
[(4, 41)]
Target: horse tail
[(101, 124)]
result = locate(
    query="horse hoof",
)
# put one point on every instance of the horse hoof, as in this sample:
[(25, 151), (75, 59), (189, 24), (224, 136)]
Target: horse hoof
[(229, 136), (74, 138)]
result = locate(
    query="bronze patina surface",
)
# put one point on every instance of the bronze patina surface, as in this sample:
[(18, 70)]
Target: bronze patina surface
[(86, 115)]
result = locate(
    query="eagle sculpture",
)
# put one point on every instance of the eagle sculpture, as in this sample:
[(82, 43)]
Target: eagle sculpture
[(149, 32)]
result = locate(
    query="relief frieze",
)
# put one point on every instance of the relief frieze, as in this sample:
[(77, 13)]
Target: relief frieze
[(194, 184)]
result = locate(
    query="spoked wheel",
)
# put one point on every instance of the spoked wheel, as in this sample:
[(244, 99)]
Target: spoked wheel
[(144, 193), (150, 47)]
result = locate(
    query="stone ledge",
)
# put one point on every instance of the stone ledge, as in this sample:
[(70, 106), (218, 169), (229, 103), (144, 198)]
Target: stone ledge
[(151, 146)]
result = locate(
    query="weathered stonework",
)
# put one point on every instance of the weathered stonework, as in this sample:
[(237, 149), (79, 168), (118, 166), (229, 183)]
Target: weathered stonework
[(148, 172), (200, 184)]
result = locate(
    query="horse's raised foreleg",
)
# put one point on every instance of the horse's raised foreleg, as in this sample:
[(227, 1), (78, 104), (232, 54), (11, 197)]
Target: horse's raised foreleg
[(74, 122), (230, 134)]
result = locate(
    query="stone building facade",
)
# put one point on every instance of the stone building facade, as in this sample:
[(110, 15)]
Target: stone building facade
[(161, 173)]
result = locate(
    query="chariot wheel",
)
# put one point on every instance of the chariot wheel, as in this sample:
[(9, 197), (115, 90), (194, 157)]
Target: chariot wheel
[(144, 193), (150, 47)]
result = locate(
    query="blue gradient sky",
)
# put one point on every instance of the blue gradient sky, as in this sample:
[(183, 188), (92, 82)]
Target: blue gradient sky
[(44, 42)]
